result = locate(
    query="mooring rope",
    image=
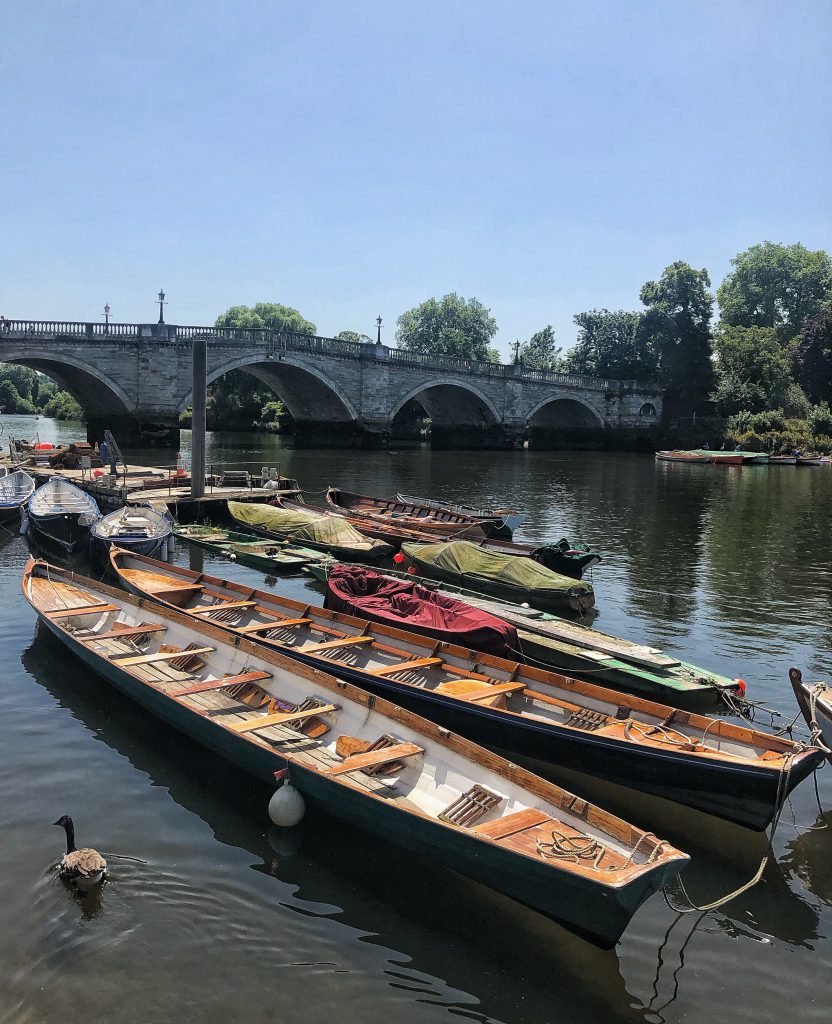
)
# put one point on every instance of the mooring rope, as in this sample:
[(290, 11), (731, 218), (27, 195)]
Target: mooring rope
[(691, 908), (815, 732)]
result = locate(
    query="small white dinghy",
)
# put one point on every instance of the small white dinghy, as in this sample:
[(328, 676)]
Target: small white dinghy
[(62, 514), (15, 490), (139, 529)]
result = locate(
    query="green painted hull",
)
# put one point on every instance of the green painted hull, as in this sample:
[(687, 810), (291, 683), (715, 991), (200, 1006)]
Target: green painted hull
[(243, 547)]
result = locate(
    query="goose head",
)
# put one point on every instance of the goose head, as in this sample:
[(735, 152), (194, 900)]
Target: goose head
[(67, 825)]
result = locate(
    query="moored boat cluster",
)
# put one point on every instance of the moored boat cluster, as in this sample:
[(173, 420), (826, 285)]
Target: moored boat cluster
[(387, 702)]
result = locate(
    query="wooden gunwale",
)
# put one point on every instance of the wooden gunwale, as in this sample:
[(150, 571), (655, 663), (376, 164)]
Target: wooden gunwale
[(493, 670)]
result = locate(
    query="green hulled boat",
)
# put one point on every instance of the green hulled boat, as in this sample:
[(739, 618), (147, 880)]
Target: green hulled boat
[(249, 549), (586, 653), (319, 532), (511, 577)]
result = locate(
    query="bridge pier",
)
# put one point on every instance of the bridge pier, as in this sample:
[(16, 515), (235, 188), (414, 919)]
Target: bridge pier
[(134, 431)]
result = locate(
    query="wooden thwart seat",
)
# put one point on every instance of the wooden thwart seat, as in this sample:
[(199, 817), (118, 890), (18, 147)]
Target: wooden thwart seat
[(405, 666), (84, 609), (346, 641), (281, 718), (121, 633), (219, 684), (262, 627), (475, 690), (146, 659), (376, 757), (221, 606), (511, 824)]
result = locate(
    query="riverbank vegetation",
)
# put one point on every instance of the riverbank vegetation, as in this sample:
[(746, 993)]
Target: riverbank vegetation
[(749, 365), (25, 391)]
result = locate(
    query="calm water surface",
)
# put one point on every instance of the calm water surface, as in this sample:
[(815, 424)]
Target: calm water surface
[(213, 915)]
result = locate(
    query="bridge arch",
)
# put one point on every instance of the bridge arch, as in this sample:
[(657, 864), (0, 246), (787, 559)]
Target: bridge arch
[(307, 392), (450, 402), (95, 391), (558, 412)]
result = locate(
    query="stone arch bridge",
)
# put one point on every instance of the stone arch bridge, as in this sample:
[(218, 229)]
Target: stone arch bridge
[(136, 380)]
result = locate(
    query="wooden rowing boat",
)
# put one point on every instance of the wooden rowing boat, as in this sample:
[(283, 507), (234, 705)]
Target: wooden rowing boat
[(727, 770), (573, 649), (390, 531), (440, 522), (247, 548), (365, 760), (61, 513), (561, 558), (321, 533), (136, 528), (511, 577), (681, 456), (782, 460), (815, 701), (505, 520), (15, 490)]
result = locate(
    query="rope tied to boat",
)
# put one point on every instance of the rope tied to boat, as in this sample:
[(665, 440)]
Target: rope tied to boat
[(782, 792), (815, 732)]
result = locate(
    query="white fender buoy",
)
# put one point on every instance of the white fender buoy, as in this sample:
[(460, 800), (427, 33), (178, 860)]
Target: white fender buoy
[(287, 806)]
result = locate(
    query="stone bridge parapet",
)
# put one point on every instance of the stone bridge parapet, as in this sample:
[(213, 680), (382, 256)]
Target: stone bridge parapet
[(140, 374)]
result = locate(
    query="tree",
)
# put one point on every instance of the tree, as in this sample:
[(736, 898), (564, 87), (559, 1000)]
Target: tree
[(450, 326), (353, 336), (610, 344), (237, 398), (812, 357), (540, 352), (62, 406), (266, 314), (752, 369), (676, 326), (779, 286)]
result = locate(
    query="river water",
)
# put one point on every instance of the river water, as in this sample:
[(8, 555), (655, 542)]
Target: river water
[(211, 914)]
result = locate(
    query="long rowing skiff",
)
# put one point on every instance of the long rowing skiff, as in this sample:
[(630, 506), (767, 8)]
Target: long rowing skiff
[(62, 514), (505, 520), (731, 771), (15, 490), (512, 577), (280, 558), (362, 758), (391, 531), (554, 643), (441, 522), (815, 701), (322, 533)]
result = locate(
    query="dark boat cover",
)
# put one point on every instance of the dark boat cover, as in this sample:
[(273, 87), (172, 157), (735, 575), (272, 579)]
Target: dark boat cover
[(391, 602)]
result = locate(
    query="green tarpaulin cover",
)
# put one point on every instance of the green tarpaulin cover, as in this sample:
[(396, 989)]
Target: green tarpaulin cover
[(330, 531), (460, 558)]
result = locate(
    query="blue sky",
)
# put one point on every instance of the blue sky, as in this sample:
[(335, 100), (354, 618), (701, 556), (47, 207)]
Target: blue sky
[(355, 158)]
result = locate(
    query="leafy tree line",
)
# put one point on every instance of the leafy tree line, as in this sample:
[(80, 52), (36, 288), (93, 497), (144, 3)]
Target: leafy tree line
[(23, 390), (769, 353)]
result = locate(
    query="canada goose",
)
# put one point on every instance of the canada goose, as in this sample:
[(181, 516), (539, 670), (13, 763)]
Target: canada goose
[(84, 868)]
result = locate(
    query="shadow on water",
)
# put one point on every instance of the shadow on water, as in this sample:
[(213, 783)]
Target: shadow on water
[(428, 922)]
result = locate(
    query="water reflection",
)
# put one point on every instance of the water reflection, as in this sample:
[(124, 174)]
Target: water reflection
[(437, 936)]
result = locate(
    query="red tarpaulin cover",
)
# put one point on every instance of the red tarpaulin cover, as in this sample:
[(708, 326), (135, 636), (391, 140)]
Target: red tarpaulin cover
[(369, 595)]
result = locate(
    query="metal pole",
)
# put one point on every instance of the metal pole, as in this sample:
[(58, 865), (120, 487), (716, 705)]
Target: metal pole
[(198, 388)]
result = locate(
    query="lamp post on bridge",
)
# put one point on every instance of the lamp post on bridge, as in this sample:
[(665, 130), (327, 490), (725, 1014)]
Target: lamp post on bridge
[(106, 315), (516, 347), (161, 301), (378, 335)]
